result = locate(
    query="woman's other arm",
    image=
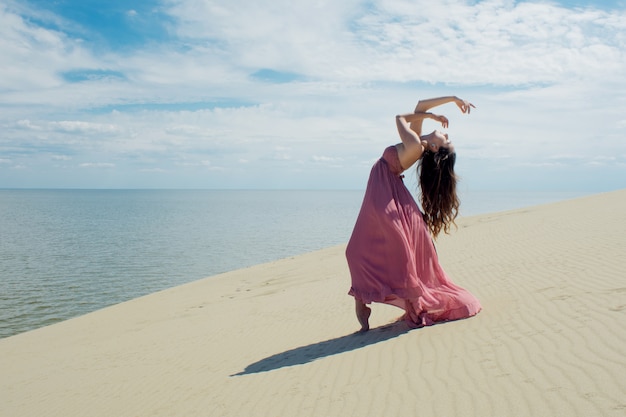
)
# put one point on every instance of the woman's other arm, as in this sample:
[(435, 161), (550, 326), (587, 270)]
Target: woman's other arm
[(411, 148)]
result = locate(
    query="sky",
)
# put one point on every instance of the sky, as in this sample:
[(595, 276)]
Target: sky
[(278, 94)]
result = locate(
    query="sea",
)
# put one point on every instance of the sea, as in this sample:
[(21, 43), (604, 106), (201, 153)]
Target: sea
[(65, 253)]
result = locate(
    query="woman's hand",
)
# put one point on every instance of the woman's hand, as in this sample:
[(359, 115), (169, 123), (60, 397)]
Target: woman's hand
[(464, 105), (441, 119)]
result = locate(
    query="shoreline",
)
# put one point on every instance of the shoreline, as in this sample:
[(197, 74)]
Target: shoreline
[(549, 340), (59, 317)]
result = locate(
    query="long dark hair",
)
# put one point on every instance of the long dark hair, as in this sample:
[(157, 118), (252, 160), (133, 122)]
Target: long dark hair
[(438, 190)]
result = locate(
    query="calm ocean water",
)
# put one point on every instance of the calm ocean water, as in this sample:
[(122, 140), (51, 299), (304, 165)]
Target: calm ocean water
[(64, 253)]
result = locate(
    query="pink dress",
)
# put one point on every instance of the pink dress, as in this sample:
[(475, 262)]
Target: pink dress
[(391, 255)]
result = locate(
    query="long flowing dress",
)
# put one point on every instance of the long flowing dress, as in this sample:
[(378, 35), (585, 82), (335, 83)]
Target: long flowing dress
[(392, 257)]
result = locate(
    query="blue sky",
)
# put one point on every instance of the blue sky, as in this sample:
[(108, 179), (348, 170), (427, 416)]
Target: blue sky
[(283, 94)]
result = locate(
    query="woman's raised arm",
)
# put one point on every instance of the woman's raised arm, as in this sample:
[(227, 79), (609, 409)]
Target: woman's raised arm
[(425, 105)]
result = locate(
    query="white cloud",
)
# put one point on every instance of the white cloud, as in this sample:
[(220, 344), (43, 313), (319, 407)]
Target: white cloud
[(326, 159), (97, 165), (74, 126), (448, 41), (602, 160), (27, 124)]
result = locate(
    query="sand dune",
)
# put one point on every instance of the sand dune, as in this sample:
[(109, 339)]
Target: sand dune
[(278, 339)]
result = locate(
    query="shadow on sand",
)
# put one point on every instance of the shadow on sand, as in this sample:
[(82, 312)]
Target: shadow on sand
[(309, 353)]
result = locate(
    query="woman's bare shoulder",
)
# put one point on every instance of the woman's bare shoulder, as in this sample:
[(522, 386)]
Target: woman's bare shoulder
[(408, 155)]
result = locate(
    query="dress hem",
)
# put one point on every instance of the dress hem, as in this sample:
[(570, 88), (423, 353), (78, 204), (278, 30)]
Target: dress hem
[(423, 318)]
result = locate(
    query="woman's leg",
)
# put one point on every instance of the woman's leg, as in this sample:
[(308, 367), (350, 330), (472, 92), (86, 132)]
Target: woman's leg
[(363, 314)]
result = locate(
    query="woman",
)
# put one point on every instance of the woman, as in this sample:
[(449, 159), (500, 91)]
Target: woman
[(391, 255)]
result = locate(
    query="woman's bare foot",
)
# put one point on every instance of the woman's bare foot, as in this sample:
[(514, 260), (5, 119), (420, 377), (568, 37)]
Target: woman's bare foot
[(363, 314)]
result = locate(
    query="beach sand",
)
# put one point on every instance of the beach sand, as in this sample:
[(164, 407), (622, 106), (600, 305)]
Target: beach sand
[(278, 339)]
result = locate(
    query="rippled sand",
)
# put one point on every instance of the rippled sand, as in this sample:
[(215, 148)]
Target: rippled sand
[(278, 339)]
